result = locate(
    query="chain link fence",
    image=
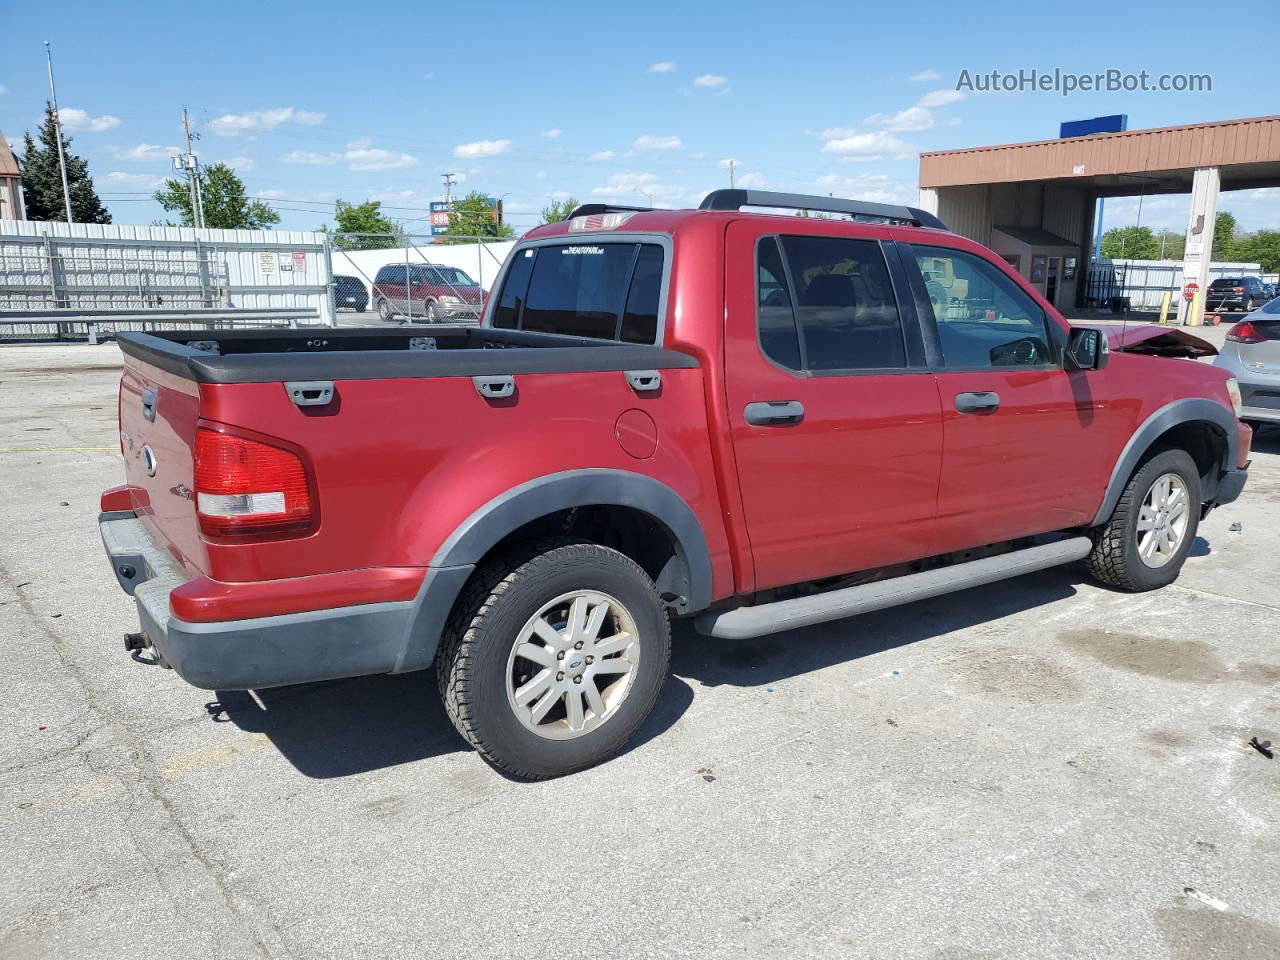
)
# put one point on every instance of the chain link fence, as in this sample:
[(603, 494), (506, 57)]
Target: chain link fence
[(413, 278)]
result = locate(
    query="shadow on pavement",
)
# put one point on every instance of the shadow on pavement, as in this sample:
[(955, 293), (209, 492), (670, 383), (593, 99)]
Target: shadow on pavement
[(713, 662), (344, 727)]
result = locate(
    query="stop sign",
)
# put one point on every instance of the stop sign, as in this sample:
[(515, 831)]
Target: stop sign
[(1190, 290)]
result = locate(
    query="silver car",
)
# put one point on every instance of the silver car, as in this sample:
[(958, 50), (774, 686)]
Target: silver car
[(1251, 354)]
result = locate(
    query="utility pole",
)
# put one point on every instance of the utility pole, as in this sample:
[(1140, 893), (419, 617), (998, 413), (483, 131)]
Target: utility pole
[(57, 127), (731, 162), (191, 165), (449, 180)]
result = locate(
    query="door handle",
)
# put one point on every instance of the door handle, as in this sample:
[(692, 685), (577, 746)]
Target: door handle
[(774, 413), (149, 404), (985, 401)]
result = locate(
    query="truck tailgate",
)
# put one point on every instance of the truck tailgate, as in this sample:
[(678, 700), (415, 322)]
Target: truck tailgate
[(158, 415)]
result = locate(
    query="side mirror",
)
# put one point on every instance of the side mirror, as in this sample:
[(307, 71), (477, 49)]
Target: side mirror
[(1086, 349)]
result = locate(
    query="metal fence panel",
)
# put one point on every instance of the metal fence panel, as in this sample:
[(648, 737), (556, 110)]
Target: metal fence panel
[(1145, 282), (58, 266)]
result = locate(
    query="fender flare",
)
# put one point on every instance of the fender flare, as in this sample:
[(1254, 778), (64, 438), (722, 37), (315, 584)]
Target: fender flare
[(457, 557), (586, 488), (1185, 410)]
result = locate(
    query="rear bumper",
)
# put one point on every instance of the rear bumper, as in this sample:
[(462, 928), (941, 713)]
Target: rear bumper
[(272, 651), (1231, 485)]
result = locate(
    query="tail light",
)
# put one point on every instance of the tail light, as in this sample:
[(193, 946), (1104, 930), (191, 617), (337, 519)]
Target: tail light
[(1238, 289), (1245, 332), (244, 486)]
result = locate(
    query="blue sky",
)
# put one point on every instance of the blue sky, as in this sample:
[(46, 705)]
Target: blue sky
[(636, 103)]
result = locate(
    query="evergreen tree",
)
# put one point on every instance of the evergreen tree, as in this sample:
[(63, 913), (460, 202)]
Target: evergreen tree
[(42, 179)]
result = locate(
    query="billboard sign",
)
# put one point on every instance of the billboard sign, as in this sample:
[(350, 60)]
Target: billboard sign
[(442, 210)]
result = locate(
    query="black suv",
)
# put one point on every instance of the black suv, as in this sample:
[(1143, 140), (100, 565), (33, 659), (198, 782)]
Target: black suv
[(1236, 293), (349, 292)]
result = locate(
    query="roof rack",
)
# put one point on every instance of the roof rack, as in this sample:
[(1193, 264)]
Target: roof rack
[(594, 209), (893, 213)]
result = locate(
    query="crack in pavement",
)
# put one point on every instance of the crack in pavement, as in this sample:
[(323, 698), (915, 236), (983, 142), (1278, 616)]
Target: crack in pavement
[(144, 769)]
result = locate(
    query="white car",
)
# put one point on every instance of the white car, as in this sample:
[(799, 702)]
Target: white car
[(1252, 355)]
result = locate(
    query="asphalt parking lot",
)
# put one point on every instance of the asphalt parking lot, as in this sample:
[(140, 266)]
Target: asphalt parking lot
[(1041, 768)]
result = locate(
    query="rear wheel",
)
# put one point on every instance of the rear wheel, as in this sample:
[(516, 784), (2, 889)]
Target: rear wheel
[(385, 313), (1145, 542), (553, 658)]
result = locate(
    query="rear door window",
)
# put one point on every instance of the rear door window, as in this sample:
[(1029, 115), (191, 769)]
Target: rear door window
[(829, 307), (602, 290)]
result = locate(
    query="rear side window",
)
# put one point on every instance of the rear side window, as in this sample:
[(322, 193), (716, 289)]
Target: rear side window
[(829, 307), (606, 291)]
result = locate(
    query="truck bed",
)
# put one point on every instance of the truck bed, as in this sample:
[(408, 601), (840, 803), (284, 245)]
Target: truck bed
[(263, 356)]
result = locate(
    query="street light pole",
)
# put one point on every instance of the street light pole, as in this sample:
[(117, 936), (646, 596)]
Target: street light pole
[(57, 126)]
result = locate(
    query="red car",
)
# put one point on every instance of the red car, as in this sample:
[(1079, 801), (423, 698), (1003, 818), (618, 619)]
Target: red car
[(426, 292), (755, 420)]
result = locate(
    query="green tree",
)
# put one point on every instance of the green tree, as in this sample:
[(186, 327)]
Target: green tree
[(366, 218), (558, 210), (1224, 237), (472, 216), (1133, 243), (1262, 246), (42, 179), (226, 205)]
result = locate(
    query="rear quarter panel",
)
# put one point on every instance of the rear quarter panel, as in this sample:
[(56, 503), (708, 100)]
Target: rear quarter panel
[(400, 464)]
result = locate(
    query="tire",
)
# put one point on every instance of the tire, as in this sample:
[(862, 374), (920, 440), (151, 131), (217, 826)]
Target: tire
[(1118, 546), (482, 677), (430, 316), (385, 313), (362, 308)]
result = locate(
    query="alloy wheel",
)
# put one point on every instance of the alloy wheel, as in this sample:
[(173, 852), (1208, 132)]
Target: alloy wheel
[(572, 665), (1162, 520)]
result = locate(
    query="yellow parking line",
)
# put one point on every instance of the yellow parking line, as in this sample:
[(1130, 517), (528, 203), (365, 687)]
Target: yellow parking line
[(56, 449)]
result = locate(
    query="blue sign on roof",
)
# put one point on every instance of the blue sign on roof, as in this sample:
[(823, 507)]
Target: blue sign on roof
[(1115, 123)]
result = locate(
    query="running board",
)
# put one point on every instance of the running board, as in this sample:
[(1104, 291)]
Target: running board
[(758, 621)]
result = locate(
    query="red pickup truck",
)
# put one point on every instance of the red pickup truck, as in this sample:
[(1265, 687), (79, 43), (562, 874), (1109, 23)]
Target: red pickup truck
[(756, 420)]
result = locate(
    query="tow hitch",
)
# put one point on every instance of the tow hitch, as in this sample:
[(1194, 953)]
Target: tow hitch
[(136, 644)]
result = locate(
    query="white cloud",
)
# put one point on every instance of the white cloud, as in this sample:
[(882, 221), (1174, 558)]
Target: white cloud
[(551, 134), (663, 66), (145, 152), (851, 144), (750, 181), (3, 89), (540, 175), (234, 124), (311, 158), (144, 181), (925, 76), (941, 98), (600, 156), (710, 80), (875, 187), (80, 121), (482, 148), (724, 164), (624, 187), (651, 142), (912, 118), (361, 155), (241, 164)]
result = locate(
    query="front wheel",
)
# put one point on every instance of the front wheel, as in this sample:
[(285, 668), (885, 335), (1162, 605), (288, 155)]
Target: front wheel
[(432, 316), (554, 657), (1145, 542)]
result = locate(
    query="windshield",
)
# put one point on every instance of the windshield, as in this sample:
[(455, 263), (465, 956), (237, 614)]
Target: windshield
[(448, 276), (1273, 307)]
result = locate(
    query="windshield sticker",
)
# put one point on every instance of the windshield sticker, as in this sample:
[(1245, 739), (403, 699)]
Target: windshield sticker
[(588, 251)]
